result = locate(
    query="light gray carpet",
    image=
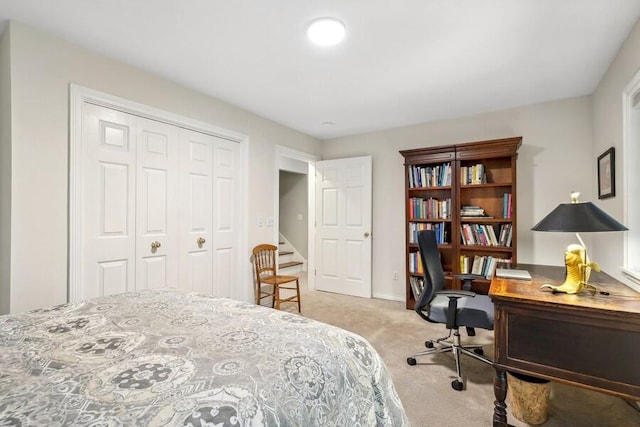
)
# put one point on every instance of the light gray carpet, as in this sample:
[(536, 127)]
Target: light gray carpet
[(425, 389)]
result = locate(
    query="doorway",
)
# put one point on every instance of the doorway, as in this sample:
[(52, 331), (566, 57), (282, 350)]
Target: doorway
[(293, 221), (298, 166)]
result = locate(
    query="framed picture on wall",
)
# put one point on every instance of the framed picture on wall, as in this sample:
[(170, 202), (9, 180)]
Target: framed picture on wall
[(607, 174)]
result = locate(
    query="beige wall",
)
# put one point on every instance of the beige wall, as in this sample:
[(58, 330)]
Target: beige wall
[(43, 67), (555, 159), (5, 171), (608, 249)]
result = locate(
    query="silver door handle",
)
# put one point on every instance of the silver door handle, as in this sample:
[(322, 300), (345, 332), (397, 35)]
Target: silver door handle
[(366, 234), (155, 245), (200, 242)]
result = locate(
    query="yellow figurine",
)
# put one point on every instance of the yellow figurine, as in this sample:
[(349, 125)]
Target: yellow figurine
[(578, 270)]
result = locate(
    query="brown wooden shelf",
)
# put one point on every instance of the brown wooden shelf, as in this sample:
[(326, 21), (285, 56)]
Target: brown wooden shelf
[(467, 220), (496, 160), (486, 248), (441, 247), (435, 187), (486, 185)]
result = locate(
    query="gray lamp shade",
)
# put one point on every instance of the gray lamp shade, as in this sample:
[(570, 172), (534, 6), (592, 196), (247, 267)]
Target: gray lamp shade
[(577, 218)]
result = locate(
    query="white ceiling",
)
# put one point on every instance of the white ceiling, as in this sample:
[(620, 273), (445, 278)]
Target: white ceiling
[(403, 62)]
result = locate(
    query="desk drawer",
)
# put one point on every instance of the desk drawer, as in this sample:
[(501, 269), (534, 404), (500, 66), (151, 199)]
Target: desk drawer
[(600, 352)]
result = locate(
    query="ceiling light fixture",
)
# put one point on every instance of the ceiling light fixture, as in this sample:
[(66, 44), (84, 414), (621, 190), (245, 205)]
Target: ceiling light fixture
[(326, 31)]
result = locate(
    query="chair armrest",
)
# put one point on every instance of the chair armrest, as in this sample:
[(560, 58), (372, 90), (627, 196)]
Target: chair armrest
[(457, 294), (467, 279), (468, 276), (452, 310)]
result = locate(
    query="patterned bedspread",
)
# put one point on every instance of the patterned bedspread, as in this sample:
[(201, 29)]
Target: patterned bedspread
[(169, 358)]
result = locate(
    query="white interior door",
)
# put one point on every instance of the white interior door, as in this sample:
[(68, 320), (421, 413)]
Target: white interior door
[(195, 217), (343, 226), (156, 205), (108, 211), (226, 191)]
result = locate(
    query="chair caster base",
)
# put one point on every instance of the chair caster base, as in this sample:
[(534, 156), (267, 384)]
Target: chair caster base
[(428, 344), (411, 361), (457, 385)]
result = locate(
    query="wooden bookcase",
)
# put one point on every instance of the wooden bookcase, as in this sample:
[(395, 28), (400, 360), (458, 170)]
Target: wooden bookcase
[(437, 203)]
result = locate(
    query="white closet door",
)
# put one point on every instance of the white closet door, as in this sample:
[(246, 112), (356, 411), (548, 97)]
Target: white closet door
[(226, 169), (157, 205), (108, 210), (195, 219)]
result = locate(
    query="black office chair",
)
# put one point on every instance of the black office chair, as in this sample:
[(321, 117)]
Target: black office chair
[(455, 308)]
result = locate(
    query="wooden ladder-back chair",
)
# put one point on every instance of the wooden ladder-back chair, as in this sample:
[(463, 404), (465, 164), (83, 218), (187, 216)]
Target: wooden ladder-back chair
[(268, 282)]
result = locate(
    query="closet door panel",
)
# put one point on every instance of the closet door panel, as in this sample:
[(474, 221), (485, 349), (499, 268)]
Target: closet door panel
[(225, 226), (157, 205), (108, 180), (196, 151)]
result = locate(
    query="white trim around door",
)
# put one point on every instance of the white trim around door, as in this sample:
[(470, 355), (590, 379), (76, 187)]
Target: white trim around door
[(284, 155)]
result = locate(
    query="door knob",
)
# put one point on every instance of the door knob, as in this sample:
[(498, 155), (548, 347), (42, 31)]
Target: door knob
[(200, 241), (366, 234), (155, 245)]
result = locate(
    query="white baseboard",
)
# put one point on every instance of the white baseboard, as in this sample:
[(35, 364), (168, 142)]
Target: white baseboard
[(388, 297)]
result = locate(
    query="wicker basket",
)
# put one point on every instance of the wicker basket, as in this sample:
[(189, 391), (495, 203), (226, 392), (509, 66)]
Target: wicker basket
[(528, 398)]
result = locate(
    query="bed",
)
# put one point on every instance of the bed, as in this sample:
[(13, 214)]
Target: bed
[(170, 357)]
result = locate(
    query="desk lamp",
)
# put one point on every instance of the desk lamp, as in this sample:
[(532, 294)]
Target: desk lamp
[(577, 217)]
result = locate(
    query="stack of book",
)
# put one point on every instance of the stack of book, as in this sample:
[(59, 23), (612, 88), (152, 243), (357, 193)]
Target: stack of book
[(473, 212)]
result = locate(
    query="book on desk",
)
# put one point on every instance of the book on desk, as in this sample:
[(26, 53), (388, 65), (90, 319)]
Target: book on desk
[(512, 273)]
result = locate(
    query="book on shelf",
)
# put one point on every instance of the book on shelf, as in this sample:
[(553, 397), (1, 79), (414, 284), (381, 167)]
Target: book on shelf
[(505, 235), (429, 208), (482, 265), (464, 264), (476, 266), (417, 285), (429, 176), (506, 205), (472, 175), (472, 211), (482, 235), (440, 229), (492, 236), (415, 263)]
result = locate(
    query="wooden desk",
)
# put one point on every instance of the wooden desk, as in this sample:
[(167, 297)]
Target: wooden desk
[(590, 341)]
